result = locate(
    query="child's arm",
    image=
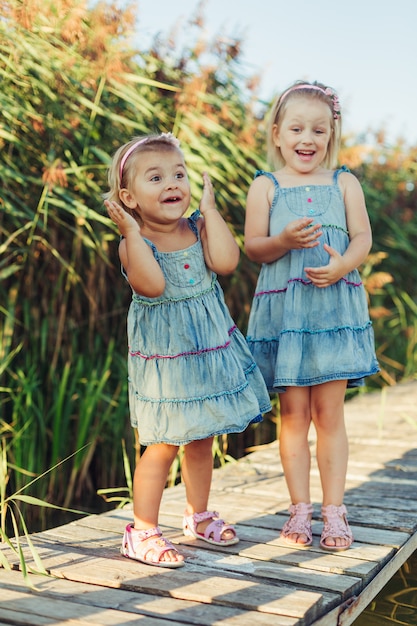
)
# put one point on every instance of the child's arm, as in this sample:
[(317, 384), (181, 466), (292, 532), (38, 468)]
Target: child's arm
[(259, 244), (143, 272), (360, 236), (221, 252)]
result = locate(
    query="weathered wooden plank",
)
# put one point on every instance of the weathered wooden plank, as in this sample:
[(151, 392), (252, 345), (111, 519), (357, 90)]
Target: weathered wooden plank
[(340, 563), (359, 603), (286, 565), (85, 532), (260, 580), (18, 607), (329, 584), (368, 535), (359, 561), (380, 455), (139, 603), (195, 584), (13, 616)]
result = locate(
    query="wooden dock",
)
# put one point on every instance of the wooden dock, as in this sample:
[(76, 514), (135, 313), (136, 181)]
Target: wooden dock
[(257, 582)]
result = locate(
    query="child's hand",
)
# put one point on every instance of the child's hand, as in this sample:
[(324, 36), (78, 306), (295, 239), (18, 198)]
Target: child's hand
[(301, 233), (327, 275), (125, 222), (208, 201)]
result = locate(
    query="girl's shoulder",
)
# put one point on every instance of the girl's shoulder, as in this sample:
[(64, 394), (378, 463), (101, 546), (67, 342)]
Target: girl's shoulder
[(264, 174), (345, 178), (263, 179)]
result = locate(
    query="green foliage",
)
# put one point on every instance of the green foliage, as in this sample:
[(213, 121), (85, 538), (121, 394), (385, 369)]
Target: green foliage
[(10, 507), (389, 178), (121, 495)]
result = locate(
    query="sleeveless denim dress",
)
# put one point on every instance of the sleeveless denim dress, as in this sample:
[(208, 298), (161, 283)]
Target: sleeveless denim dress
[(299, 334), (191, 374)]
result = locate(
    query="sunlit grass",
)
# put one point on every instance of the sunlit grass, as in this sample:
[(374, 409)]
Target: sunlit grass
[(13, 520)]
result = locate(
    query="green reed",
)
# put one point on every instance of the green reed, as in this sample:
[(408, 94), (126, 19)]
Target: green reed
[(12, 520)]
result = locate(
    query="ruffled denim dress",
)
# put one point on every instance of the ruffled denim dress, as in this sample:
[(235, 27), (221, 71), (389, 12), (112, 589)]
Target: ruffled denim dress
[(299, 334), (191, 373)]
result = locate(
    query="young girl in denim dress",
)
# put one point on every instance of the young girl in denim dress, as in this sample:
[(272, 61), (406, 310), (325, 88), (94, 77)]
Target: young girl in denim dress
[(191, 374), (309, 328)]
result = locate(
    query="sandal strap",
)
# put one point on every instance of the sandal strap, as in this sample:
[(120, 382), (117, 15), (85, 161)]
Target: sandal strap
[(141, 535), (158, 545), (335, 522), (302, 508), (213, 531), (216, 528), (299, 522), (201, 517)]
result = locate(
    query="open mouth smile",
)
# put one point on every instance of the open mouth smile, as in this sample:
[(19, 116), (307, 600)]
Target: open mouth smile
[(305, 155)]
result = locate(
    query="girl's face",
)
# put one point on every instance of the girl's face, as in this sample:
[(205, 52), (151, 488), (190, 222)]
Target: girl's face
[(304, 134), (160, 190)]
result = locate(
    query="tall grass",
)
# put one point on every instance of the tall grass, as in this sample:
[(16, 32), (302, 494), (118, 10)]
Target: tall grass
[(12, 519)]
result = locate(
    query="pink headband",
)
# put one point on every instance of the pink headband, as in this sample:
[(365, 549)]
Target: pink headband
[(133, 147), (128, 153), (327, 92)]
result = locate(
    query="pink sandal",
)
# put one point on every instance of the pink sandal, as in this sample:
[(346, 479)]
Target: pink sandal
[(213, 532), (136, 547), (336, 526), (298, 524)]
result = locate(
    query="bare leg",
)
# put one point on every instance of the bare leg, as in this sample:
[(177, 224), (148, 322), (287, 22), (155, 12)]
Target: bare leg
[(327, 408), (148, 484), (294, 448), (197, 471)]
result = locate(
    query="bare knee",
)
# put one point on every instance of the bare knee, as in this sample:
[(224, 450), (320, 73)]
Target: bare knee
[(295, 407), (327, 406), (160, 453), (199, 448)]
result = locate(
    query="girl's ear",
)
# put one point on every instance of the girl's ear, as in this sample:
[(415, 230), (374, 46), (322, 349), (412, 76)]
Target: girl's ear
[(275, 135), (127, 199)]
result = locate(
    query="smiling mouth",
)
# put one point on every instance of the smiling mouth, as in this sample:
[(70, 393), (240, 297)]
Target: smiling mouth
[(305, 152), (173, 199)]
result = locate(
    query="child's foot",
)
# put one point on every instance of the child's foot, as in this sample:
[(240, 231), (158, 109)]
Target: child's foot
[(336, 535), (297, 530), (208, 527), (150, 547)]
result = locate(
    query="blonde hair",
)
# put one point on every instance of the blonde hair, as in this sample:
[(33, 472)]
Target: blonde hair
[(122, 168), (303, 89)]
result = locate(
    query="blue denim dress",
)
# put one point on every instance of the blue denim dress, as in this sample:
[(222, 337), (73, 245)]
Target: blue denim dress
[(299, 334), (191, 373)]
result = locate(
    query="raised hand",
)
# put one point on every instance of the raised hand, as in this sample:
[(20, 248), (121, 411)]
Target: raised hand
[(125, 222), (208, 201), (301, 233)]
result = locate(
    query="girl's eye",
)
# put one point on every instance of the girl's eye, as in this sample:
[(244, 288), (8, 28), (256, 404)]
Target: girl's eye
[(156, 178), (179, 175)]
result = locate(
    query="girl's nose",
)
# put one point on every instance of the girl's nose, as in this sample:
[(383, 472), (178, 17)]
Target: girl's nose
[(307, 137)]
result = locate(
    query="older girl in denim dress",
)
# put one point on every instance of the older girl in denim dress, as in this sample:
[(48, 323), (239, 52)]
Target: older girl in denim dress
[(309, 327), (191, 374)]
